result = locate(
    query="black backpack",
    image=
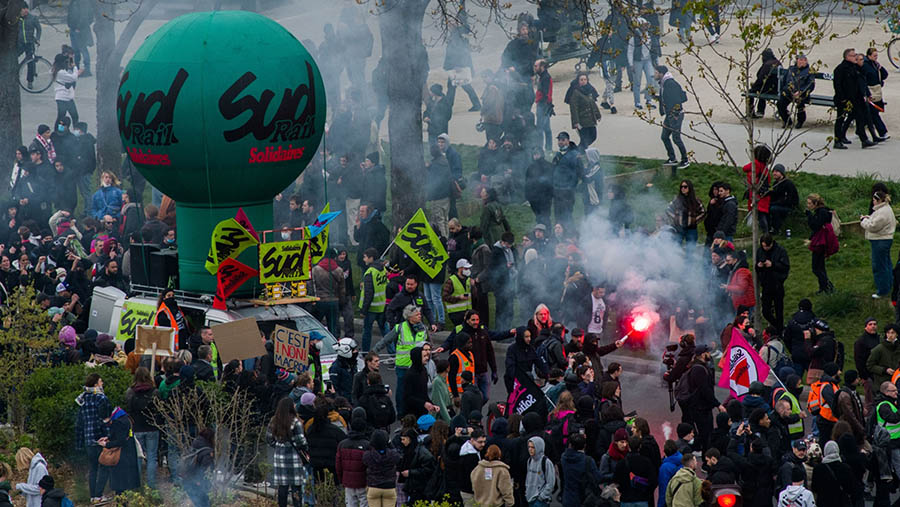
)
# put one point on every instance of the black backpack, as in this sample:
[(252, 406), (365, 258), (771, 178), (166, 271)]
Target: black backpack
[(382, 411)]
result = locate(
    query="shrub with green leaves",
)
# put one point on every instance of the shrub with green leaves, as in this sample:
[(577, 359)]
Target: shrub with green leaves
[(49, 399)]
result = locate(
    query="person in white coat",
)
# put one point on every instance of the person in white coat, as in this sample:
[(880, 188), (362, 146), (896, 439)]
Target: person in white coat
[(880, 227)]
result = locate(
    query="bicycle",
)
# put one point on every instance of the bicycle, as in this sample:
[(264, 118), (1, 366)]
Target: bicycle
[(42, 73), (893, 47)]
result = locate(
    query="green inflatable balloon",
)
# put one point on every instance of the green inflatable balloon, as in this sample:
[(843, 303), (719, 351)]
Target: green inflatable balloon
[(220, 110)]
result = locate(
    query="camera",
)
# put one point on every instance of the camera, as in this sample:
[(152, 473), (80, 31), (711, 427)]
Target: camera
[(668, 357)]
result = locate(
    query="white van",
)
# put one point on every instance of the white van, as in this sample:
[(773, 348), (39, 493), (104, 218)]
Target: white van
[(113, 313)]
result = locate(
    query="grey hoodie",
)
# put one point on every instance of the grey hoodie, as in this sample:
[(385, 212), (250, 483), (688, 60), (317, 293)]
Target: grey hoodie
[(796, 496), (36, 472), (541, 478)]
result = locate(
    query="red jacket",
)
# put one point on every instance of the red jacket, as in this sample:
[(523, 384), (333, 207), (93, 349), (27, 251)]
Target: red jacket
[(762, 173), (740, 287), (348, 464)]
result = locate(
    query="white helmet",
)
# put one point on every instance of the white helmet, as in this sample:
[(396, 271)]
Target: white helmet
[(345, 347)]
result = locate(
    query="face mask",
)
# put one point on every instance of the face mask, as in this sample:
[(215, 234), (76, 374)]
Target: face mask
[(467, 272), (564, 148), (285, 236), (76, 133), (319, 345), (61, 128), (104, 184), (169, 241), (691, 441)]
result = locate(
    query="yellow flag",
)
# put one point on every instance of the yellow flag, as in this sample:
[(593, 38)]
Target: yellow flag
[(229, 239), (419, 241)]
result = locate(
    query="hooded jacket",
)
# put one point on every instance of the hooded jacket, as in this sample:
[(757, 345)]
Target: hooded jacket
[(329, 280), (541, 474), (415, 385), (832, 479), (491, 484), (796, 496), (670, 465), (684, 489), (862, 348), (36, 471), (521, 356), (577, 468), (567, 169), (349, 468)]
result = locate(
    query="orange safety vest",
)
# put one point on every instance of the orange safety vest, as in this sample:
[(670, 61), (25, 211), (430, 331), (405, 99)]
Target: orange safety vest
[(466, 363), (895, 376), (172, 322), (816, 403)]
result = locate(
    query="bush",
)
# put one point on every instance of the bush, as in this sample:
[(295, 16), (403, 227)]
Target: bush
[(49, 399)]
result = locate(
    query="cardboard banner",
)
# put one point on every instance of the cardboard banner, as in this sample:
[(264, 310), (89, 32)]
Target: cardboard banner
[(241, 218), (322, 221), (162, 337), (744, 366), (285, 261), (291, 349), (419, 241), (525, 397), (231, 275), (133, 314), (239, 339), (229, 239)]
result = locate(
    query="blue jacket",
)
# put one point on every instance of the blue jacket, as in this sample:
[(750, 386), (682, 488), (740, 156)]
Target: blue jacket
[(341, 375), (667, 470), (577, 467), (567, 168), (106, 201)]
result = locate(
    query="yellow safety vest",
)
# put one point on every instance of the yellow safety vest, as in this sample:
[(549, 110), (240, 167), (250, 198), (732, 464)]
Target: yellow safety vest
[(458, 291), (215, 359), (796, 428), (379, 284), (406, 341), (892, 429)]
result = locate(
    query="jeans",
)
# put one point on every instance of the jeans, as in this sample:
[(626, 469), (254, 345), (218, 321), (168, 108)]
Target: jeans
[(372, 318), (283, 495), (538, 503), (818, 269), (28, 49), (356, 497), (79, 44), (173, 457), (644, 67), (401, 405), (689, 237), (777, 215), (329, 310), (563, 203), (633, 504), (433, 299), (672, 128), (545, 135), (612, 71), (198, 492), (483, 380), (66, 106), (150, 444), (587, 136), (881, 265), (93, 455)]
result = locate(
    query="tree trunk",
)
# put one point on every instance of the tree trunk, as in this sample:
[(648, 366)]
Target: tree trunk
[(10, 92), (109, 145), (405, 56)]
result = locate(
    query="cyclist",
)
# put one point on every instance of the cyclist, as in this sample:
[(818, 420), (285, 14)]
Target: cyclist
[(29, 36)]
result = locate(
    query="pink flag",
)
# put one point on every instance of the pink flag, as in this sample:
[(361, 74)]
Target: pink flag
[(242, 219), (743, 365)]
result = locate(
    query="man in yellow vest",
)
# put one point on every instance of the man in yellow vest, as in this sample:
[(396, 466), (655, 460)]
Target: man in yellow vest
[(206, 338), (408, 334), (888, 415), (372, 297), (457, 292), (787, 407)]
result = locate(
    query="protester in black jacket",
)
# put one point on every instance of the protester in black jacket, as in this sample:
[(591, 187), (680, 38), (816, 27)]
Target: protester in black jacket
[(849, 101), (728, 222), (801, 321), (521, 358), (766, 82), (772, 268), (415, 386), (784, 198), (701, 381)]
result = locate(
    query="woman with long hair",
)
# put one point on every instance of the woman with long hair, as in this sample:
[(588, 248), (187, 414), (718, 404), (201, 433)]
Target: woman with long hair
[(685, 212), (539, 322), (880, 225), (139, 402), (108, 199), (285, 435), (818, 216), (65, 75), (20, 165)]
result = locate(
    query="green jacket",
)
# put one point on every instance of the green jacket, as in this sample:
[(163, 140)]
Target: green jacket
[(885, 355), (684, 489), (493, 222), (440, 397), (583, 109)]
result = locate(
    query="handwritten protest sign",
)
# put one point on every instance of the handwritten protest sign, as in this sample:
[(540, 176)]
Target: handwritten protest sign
[(284, 261), (291, 349), (133, 315), (419, 241), (162, 337)]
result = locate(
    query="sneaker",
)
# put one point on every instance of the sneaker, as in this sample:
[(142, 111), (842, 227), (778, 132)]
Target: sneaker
[(876, 296), (879, 139), (86, 73), (670, 163), (475, 107), (30, 85), (684, 164), (617, 89), (637, 107), (612, 110), (758, 116), (605, 105), (650, 106), (866, 143), (846, 141), (839, 145), (714, 39)]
